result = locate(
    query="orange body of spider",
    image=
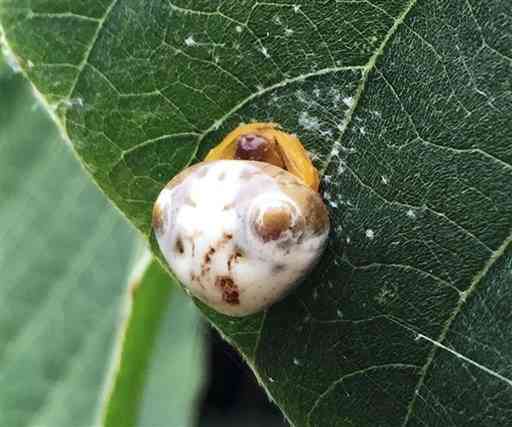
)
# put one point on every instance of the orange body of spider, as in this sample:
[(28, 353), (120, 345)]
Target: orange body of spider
[(265, 142)]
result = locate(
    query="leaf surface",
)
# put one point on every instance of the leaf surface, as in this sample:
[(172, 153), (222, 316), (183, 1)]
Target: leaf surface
[(66, 258), (160, 368), (406, 107)]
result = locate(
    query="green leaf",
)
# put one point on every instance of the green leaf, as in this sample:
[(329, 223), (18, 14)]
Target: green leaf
[(66, 257), (160, 368), (406, 106)]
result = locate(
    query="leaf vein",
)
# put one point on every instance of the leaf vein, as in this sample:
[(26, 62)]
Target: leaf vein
[(88, 52), (353, 374), (439, 342), (285, 82), (424, 207), (367, 70)]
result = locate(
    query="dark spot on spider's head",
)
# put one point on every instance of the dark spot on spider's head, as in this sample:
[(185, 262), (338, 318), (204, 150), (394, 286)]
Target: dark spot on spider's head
[(230, 292)]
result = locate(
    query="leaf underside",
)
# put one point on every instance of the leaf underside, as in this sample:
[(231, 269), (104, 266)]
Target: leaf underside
[(63, 276), (406, 107), (161, 361)]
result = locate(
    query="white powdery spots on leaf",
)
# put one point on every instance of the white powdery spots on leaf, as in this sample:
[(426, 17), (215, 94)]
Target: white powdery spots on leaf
[(343, 125), (288, 32), (70, 104), (189, 41), (385, 296), (335, 96), (297, 362), (384, 179), (336, 149), (411, 214), (308, 122), (370, 234), (300, 95), (265, 53), (327, 133), (348, 101), (348, 150), (239, 29), (277, 20), (313, 156), (342, 168)]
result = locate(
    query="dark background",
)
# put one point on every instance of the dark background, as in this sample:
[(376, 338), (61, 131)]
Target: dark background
[(232, 396)]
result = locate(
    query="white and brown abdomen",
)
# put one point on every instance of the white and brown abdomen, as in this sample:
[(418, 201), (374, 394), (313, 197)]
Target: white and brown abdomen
[(239, 234)]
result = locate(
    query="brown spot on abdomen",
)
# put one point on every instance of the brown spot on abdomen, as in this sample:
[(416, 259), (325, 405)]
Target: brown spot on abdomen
[(208, 256), (230, 292), (205, 268), (235, 256)]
